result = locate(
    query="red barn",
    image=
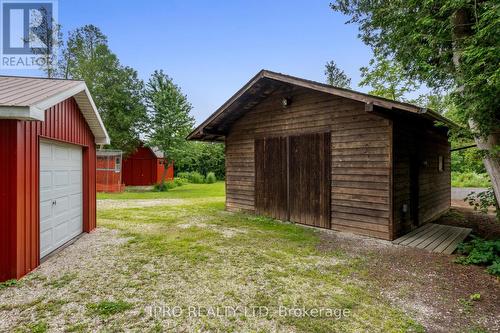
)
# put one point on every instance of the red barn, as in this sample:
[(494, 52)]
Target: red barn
[(145, 167), (49, 129)]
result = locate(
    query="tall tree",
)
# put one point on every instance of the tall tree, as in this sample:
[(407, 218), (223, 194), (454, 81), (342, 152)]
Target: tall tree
[(47, 37), (202, 157), (116, 89), (335, 76), (453, 45), (169, 116), (387, 79)]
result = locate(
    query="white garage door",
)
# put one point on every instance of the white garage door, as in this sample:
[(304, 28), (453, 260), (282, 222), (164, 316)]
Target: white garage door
[(61, 205)]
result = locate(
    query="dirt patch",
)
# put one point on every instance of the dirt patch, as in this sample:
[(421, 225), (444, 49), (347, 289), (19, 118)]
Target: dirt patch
[(114, 204), (427, 286), (482, 225), (226, 232)]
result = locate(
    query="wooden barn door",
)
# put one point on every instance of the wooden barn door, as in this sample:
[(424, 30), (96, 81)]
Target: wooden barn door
[(271, 177), (309, 168), (292, 178)]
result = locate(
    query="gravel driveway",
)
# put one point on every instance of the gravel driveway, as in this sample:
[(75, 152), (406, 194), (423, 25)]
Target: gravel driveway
[(459, 193)]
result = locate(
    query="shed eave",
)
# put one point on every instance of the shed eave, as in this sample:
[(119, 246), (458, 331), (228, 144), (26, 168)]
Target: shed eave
[(200, 133), (21, 113)]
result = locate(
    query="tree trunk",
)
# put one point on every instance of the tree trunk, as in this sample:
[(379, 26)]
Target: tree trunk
[(491, 161), (461, 30)]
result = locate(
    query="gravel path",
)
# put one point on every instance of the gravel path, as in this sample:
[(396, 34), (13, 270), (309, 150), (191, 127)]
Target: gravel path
[(63, 284), (132, 203), (459, 193)]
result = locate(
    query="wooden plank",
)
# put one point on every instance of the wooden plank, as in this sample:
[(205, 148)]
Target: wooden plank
[(270, 177), (310, 179), (432, 229), (411, 233), (444, 244), (449, 231), (434, 239), (453, 244)]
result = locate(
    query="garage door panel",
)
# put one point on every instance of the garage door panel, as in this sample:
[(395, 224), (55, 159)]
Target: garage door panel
[(45, 209), (75, 226), (45, 180), (75, 201), (45, 151), (61, 153), (61, 207), (61, 178), (46, 225), (76, 156), (45, 242), (76, 177)]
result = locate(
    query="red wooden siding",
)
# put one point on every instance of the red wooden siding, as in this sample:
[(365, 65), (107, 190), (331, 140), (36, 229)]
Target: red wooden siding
[(108, 179), (143, 168), (19, 176)]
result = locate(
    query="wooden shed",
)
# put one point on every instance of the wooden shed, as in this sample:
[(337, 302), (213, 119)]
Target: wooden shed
[(145, 167), (319, 155), (49, 129)]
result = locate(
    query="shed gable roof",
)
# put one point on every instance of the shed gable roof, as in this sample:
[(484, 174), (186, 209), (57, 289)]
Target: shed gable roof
[(27, 98), (266, 82)]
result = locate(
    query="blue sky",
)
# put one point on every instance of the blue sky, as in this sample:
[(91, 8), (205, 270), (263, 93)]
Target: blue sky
[(211, 48)]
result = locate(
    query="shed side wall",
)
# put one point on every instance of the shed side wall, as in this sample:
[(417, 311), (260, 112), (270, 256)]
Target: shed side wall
[(420, 139), (63, 122), (8, 195), (360, 150)]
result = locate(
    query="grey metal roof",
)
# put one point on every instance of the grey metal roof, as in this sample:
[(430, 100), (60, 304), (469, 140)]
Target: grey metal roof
[(27, 98)]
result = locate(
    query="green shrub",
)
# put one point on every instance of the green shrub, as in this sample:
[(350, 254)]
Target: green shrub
[(195, 178), (165, 186), (180, 181), (469, 179), (482, 201), (211, 178), (494, 269), (192, 177), (183, 175), (481, 252)]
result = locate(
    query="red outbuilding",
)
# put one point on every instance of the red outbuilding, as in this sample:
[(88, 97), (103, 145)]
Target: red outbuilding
[(49, 129), (109, 171), (145, 167)]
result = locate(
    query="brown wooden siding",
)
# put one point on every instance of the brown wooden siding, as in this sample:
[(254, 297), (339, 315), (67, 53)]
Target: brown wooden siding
[(271, 177), (309, 179), (420, 141), (360, 156)]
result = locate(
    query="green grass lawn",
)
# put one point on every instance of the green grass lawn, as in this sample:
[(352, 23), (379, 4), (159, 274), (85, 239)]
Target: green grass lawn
[(216, 259), (187, 191), (192, 254), (469, 179)]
